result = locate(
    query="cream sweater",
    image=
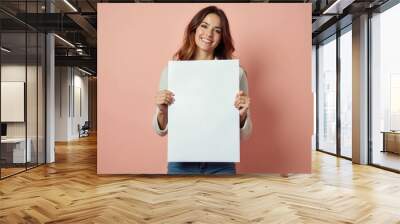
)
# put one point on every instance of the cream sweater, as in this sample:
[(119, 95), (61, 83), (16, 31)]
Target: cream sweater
[(245, 131)]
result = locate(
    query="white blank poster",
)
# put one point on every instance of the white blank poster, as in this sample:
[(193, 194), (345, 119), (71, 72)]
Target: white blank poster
[(12, 101), (203, 123)]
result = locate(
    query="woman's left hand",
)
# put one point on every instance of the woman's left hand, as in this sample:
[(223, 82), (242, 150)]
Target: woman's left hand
[(242, 102)]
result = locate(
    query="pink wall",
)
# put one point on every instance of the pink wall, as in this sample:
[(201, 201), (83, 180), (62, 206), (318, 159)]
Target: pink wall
[(273, 43)]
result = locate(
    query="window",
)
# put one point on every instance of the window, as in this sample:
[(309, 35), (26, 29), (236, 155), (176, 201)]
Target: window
[(346, 93), (327, 95), (385, 88)]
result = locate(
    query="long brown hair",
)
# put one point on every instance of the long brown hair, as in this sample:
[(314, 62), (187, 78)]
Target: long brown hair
[(225, 48)]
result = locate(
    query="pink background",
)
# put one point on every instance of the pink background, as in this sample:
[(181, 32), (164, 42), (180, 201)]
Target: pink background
[(273, 43)]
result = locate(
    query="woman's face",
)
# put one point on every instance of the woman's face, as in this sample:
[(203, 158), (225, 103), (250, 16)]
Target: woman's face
[(208, 33)]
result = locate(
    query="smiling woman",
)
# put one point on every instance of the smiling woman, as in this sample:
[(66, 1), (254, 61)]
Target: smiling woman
[(207, 37), (208, 32)]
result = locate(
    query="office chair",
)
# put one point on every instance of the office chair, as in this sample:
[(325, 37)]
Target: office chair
[(84, 130)]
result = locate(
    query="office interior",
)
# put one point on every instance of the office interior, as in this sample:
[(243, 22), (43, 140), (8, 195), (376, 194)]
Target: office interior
[(49, 77), (47, 82)]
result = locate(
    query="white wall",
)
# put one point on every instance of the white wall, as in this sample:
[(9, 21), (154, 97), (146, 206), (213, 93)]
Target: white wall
[(34, 125), (70, 84), (62, 81), (12, 73), (79, 111)]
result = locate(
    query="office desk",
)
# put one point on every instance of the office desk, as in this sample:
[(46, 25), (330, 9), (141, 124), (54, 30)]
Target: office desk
[(13, 150), (391, 141)]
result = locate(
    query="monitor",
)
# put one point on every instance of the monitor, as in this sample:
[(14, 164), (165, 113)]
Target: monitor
[(3, 129)]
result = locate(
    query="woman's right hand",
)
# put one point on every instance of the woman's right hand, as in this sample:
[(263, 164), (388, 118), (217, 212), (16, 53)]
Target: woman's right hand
[(164, 98)]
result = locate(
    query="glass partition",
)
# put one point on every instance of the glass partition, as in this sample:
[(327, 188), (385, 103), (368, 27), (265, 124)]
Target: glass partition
[(22, 88), (13, 94)]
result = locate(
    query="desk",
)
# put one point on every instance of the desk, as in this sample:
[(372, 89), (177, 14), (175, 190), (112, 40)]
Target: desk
[(13, 150), (391, 141)]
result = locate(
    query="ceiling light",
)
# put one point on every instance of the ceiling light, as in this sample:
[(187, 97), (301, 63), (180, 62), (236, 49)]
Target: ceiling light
[(338, 6), (84, 71), (70, 5), (5, 50), (64, 40)]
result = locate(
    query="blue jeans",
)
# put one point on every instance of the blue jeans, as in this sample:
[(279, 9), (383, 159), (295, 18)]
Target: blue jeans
[(201, 168)]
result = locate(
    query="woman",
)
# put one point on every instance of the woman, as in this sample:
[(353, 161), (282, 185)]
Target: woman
[(207, 37)]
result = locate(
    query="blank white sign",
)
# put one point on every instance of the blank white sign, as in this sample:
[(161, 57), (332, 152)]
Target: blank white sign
[(203, 123), (12, 101)]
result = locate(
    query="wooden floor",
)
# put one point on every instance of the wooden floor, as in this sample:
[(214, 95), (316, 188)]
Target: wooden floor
[(5, 172), (69, 191)]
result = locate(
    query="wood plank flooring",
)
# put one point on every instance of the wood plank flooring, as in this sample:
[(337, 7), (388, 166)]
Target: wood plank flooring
[(70, 191), (5, 172)]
